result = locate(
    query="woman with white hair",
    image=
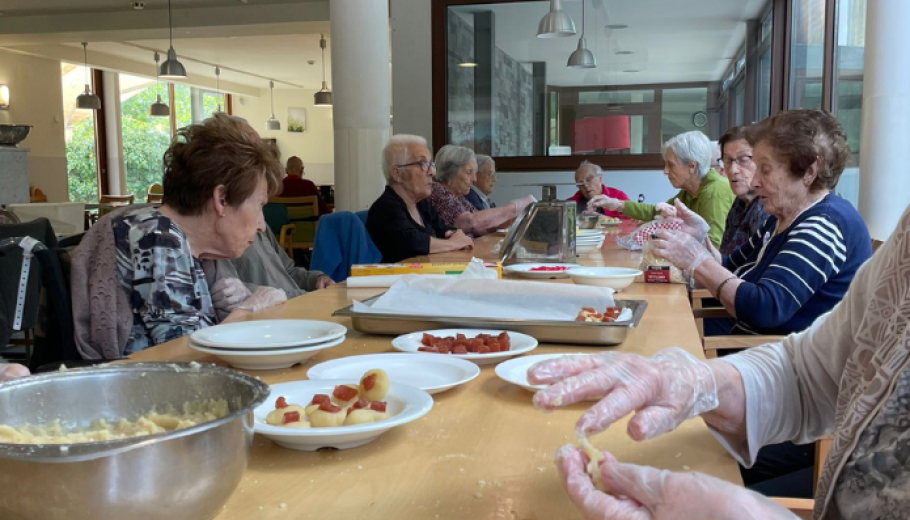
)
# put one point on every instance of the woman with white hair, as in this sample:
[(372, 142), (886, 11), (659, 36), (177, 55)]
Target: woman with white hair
[(456, 172), (687, 163), (402, 222)]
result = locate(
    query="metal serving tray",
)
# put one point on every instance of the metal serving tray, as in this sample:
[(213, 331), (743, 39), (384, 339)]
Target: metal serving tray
[(574, 332)]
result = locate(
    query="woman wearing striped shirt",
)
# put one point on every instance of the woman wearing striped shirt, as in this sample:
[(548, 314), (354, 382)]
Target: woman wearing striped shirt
[(798, 265)]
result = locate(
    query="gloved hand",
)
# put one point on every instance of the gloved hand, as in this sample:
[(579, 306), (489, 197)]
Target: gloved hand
[(602, 201), (459, 238), (324, 281), (666, 210), (645, 493), (12, 370), (664, 390), (263, 298), (681, 249), (522, 203), (693, 223), (228, 293)]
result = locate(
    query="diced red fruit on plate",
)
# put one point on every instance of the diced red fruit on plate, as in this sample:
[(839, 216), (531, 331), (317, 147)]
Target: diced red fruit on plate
[(377, 406), (368, 382), (280, 403), (460, 349), (361, 403), (321, 399), (427, 339), (290, 417), (549, 268), (329, 407), (345, 393)]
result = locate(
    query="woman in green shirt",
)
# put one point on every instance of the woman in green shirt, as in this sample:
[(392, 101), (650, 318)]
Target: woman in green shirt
[(687, 160)]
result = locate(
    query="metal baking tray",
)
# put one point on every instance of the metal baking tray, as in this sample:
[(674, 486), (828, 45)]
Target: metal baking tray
[(573, 332)]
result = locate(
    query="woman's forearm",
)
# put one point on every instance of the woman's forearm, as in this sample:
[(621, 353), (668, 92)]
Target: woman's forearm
[(730, 415), (480, 222), (711, 275), (442, 245)]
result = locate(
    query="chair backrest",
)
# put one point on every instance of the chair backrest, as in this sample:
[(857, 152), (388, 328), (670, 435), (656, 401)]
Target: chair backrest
[(362, 215), (876, 244), (36, 195), (275, 215), (155, 194), (117, 200), (305, 221), (342, 241), (311, 201)]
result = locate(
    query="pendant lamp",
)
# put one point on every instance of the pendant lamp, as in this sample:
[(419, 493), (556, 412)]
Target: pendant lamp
[(87, 100), (158, 108), (171, 68), (218, 88), (556, 23), (323, 98), (272, 123), (582, 58)]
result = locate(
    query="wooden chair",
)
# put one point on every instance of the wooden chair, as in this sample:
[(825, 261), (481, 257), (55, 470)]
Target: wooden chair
[(154, 194), (303, 218), (112, 200), (36, 195)]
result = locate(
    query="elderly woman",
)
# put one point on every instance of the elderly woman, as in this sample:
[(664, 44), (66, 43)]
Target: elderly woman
[(747, 214), (402, 222), (217, 176), (847, 374), (12, 370), (798, 265), (455, 174), (479, 196), (687, 159)]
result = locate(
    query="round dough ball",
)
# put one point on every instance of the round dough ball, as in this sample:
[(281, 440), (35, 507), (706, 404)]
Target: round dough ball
[(323, 419), (310, 409), (362, 416), (380, 388), (380, 416), (276, 416)]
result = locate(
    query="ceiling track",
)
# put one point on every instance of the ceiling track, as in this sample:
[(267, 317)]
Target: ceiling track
[(210, 64)]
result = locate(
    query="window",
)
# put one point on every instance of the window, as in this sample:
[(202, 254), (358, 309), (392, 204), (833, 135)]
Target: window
[(195, 104), (79, 132), (763, 71), (678, 109), (807, 53), (145, 138), (847, 95)]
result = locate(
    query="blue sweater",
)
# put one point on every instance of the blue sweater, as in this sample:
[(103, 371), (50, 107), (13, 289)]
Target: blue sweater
[(801, 273)]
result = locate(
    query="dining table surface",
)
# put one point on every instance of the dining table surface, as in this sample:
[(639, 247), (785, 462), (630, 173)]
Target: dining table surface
[(483, 451)]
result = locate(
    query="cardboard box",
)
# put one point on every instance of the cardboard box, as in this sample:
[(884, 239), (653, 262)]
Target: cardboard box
[(419, 268)]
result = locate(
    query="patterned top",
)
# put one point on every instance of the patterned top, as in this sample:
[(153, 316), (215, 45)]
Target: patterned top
[(875, 477), (448, 205), (743, 220), (168, 291)]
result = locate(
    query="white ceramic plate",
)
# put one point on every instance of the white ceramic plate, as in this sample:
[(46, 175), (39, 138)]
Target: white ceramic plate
[(515, 371), (589, 233), (432, 374), (521, 343), (405, 404), (524, 270), (265, 334), (267, 359), (618, 278)]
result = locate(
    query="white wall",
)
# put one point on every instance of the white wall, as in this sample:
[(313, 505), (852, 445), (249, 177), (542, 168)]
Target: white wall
[(653, 184), (36, 99), (412, 92), (315, 145)]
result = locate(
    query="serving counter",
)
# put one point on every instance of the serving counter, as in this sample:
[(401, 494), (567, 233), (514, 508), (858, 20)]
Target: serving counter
[(483, 452)]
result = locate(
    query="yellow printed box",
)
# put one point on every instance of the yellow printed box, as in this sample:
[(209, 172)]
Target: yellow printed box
[(419, 268)]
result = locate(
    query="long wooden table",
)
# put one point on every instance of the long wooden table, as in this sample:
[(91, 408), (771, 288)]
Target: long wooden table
[(483, 452)]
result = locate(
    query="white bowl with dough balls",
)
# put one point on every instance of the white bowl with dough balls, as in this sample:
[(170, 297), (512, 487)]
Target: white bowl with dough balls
[(617, 278), (404, 403)]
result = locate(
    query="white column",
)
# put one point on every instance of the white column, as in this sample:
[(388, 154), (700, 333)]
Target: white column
[(412, 68), (112, 118), (884, 182), (360, 83)]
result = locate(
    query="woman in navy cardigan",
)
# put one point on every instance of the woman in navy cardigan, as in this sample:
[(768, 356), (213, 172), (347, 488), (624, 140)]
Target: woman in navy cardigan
[(799, 264)]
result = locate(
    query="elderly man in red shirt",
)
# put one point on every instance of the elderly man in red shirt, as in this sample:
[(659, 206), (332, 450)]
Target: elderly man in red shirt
[(296, 186), (589, 178)]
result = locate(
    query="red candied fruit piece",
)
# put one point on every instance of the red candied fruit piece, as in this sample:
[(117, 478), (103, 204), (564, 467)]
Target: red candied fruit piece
[(345, 393), (505, 342), (290, 417), (460, 349), (427, 339), (483, 350), (368, 382), (361, 403), (321, 399), (280, 403), (377, 406)]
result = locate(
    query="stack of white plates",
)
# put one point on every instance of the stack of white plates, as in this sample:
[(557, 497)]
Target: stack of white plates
[(587, 242), (267, 344)]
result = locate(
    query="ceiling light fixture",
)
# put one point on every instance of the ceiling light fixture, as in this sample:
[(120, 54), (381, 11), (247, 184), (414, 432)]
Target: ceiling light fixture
[(272, 123), (556, 23), (467, 64), (4, 97), (158, 108), (582, 58), (324, 97), (218, 88), (87, 100), (171, 68), (630, 70), (616, 26), (624, 53)]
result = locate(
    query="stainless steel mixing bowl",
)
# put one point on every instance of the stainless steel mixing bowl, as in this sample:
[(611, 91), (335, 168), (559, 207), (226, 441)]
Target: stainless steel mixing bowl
[(11, 135), (587, 221), (181, 475)]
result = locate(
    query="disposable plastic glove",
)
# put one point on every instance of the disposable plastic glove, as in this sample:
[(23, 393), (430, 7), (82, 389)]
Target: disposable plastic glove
[(693, 223), (664, 390), (522, 203), (680, 249), (666, 210), (602, 201), (645, 493), (263, 298), (228, 293), (11, 371)]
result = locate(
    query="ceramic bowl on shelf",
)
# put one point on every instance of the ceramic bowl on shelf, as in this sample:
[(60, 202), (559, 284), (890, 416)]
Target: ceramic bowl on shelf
[(11, 135)]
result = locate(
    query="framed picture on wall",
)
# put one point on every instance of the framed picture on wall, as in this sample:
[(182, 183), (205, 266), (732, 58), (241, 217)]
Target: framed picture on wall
[(296, 119)]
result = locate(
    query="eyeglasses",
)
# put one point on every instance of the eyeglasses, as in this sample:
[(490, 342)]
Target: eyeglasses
[(742, 160), (422, 164)]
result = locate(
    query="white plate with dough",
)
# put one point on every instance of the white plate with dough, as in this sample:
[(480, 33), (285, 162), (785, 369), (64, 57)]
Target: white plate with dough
[(266, 359), (520, 344), (405, 404), (527, 270), (432, 374), (515, 371), (268, 334)]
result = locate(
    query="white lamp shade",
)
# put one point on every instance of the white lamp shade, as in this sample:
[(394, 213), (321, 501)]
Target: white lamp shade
[(159, 108), (582, 58), (273, 124), (556, 23), (4, 96), (88, 101), (172, 68)]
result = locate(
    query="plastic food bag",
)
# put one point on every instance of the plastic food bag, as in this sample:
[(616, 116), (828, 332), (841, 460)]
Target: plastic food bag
[(638, 238), (659, 270)]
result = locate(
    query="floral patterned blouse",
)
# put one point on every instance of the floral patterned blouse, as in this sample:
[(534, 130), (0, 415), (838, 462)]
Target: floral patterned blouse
[(448, 205), (742, 222)]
